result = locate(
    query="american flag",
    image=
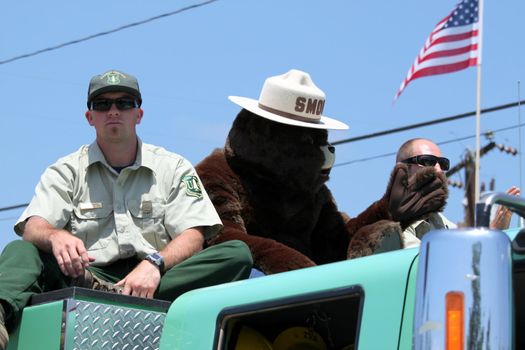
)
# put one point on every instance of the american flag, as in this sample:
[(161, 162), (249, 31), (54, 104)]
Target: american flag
[(452, 45)]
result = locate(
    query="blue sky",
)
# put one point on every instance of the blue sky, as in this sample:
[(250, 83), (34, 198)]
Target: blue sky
[(187, 65)]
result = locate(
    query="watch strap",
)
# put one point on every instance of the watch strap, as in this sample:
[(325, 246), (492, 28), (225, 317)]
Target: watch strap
[(157, 260)]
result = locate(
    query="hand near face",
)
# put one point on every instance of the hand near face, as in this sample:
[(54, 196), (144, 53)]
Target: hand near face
[(411, 196)]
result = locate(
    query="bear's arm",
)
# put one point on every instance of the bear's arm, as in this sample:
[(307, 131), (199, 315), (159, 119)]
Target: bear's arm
[(376, 212), (338, 237), (373, 231)]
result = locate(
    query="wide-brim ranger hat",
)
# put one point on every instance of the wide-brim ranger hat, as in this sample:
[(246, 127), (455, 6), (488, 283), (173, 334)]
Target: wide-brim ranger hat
[(291, 98), (113, 81)]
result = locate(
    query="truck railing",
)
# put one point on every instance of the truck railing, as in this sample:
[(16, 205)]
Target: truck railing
[(483, 209)]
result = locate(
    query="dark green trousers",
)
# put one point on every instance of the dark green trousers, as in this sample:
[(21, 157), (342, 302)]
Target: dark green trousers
[(25, 271)]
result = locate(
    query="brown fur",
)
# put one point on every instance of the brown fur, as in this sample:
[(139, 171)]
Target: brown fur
[(269, 192), (375, 237)]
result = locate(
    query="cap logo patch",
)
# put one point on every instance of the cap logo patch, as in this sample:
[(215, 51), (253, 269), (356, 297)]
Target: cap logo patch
[(112, 78), (193, 187)]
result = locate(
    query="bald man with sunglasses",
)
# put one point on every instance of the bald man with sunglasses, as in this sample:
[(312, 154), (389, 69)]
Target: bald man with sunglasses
[(118, 215), (421, 153)]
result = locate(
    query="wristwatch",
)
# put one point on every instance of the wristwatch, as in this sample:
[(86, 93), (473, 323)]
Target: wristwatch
[(157, 260)]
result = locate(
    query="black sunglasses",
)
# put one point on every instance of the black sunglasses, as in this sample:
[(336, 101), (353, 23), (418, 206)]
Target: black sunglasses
[(429, 160), (122, 103)]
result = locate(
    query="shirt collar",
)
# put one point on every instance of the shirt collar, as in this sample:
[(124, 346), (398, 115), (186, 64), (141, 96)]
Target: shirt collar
[(95, 155), (144, 159)]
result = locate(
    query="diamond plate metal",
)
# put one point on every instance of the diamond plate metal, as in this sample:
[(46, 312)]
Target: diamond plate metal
[(103, 326)]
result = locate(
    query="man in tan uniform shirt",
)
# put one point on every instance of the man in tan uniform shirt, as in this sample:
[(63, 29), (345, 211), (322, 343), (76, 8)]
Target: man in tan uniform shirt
[(129, 216)]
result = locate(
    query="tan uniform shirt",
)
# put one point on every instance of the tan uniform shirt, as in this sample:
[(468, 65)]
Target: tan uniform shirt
[(122, 215), (413, 233)]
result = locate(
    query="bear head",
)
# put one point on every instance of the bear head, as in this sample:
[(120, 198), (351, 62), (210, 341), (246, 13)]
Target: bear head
[(286, 156)]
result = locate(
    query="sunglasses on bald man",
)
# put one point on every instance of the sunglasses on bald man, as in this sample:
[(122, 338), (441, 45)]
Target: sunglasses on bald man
[(429, 160)]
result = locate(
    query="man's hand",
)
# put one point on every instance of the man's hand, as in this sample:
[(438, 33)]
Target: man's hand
[(503, 214), (145, 277), (411, 197), (142, 281), (69, 250)]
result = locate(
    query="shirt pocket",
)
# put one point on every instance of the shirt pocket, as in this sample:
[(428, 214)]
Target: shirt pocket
[(94, 227), (148, 216)]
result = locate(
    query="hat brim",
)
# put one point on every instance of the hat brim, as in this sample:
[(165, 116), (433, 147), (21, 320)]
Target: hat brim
[(253, 106), (115, 88)]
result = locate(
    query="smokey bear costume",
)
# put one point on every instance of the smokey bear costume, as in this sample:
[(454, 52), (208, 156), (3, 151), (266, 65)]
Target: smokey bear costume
[(268, 185)]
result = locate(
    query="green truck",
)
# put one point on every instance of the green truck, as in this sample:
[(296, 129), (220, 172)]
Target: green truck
[(460, 290)]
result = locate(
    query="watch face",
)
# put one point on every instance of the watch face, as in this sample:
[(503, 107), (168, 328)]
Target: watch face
[(156, 259)]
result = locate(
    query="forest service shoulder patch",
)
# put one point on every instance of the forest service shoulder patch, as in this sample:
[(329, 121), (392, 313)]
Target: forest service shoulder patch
[(193, 187)]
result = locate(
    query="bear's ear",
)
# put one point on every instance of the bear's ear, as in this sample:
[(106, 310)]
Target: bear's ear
[(243, 118), (248, 129)]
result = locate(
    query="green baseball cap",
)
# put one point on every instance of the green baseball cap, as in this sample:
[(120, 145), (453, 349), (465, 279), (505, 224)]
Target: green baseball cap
[(113, 81)]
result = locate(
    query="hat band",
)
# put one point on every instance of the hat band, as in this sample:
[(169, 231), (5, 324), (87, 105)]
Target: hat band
[(288, 115)]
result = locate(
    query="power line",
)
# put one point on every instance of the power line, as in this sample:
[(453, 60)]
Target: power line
[(430, 122), (9, 218), (437, 143), (12, 207), (365, 159), (93, 36)]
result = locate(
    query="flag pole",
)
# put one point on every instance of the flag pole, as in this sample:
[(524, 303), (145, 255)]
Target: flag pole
[(478, 100)]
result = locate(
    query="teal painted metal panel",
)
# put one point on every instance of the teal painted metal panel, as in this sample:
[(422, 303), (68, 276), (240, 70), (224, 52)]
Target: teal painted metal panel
[(41, 327), (512, 232), (385, 288), (192, 319), (407, 326)]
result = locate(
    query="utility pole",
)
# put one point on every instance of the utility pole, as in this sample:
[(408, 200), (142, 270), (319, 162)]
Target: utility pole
[(470, 192), (469, 165)]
